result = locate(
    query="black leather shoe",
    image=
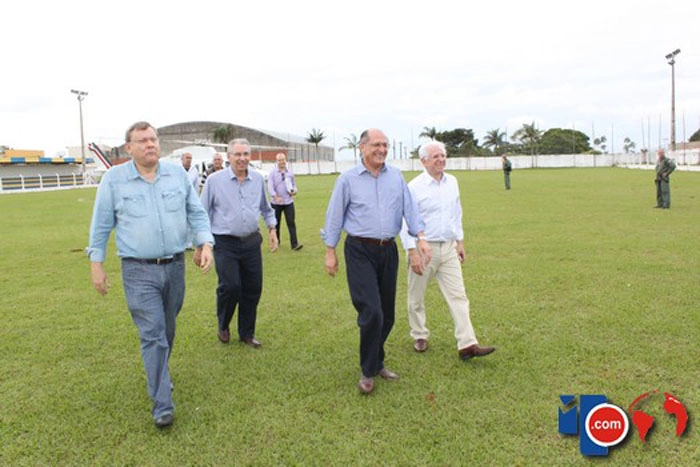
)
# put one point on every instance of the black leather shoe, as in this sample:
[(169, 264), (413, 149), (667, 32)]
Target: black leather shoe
[(388, 374), (251, 341), (474, 350), (224, 335), (297, 247), (366, 385), (164, 420)]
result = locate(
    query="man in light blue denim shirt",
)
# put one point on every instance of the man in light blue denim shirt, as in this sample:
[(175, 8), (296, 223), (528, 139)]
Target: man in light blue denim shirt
[(369, 202), (150, 204)]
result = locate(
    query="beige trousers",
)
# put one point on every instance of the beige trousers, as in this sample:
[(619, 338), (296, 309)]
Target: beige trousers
[(446, 268)]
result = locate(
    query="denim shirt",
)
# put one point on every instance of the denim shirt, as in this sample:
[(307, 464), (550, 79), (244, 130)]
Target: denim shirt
[(151, 219), (367, 206)]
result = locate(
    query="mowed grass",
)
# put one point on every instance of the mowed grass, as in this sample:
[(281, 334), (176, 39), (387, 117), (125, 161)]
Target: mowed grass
[(579, 283)]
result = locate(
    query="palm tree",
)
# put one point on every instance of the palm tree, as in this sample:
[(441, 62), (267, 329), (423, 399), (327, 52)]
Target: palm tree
[(314, 137), (601, 143), (629, 145), (429, 132), (352, 143), (529, 136), (224, 134), (495, 139)]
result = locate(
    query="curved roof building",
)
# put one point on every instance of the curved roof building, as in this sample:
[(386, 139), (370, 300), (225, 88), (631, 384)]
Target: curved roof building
[(265, 144)]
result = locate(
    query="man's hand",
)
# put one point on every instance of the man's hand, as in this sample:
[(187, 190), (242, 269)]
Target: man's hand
[(416, 261), (99, 278), (277, 199), (203, 257), (331, 262), (274, 243), (424, 249), (460, 252)]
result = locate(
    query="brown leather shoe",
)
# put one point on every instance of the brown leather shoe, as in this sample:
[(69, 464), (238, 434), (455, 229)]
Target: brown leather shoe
[(388, 374), (420, 346), (366, 385), (251, 341), (224, 335), (474, 350)]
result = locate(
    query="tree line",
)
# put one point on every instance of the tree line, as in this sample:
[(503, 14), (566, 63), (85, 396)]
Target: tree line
[(527, 139)]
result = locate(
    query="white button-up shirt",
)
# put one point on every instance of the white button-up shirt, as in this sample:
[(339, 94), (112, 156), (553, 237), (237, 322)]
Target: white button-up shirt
[(439, 206)]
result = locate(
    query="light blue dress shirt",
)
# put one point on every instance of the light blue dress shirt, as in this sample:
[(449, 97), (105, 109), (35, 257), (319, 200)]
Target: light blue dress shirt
[(150, 218), (367, 206), (234, 207)]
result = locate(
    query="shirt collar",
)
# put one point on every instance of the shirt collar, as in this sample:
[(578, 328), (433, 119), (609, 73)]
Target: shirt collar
[(232, 174), (361, 168), (430, 180), (134, 173)]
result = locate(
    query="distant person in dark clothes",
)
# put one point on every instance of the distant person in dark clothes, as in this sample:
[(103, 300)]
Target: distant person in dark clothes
[(507, 169), (664, 167)]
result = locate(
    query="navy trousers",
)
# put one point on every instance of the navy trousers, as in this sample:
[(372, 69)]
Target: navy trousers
[(289, 215), (372, 272), (240, 270)]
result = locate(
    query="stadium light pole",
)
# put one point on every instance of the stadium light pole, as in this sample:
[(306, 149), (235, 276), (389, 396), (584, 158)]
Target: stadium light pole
[(81, 97), (672, 61)]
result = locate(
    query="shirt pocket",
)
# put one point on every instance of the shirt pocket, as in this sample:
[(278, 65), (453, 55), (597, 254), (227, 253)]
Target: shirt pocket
[(173, 200), (133, 205)]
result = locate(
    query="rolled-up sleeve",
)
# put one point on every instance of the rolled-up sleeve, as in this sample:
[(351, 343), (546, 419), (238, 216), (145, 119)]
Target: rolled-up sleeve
[(103, 221), (198, 219), (335, 214), (414, 221)]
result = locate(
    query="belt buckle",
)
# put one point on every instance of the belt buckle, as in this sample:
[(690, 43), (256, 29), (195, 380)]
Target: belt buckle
[(383, 241), (160, 261)]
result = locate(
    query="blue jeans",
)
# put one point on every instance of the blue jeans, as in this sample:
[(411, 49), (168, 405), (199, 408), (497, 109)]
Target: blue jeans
[(154, 295)]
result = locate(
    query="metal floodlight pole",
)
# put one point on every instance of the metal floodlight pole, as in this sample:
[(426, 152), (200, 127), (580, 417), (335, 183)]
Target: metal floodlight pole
[(81, 96), (672, 61)]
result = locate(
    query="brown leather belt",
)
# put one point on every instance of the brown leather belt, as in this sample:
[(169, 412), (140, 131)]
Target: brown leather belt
[(373, 241), (155, 260)]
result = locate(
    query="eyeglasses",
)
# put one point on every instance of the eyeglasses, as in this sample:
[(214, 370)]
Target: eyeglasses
[(153, 140)]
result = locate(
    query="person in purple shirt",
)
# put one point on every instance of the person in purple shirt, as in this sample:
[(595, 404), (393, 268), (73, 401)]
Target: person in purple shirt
[(283, 189), (235, 200), (369, 202)]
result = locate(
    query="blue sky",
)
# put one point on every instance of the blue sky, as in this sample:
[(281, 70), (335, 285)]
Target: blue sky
[(344, 66)]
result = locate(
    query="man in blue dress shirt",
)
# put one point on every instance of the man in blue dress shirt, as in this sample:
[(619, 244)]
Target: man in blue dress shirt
[(150, 204), (369, 202), (235, 200)]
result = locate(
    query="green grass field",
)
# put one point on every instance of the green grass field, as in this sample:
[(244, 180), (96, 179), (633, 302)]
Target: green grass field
[(579, 283)]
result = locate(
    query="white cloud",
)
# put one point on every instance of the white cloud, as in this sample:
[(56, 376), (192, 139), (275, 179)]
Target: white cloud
[(343, 67)]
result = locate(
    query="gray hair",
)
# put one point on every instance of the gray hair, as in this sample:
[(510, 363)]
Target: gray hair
[(229, 148), (423, 151)]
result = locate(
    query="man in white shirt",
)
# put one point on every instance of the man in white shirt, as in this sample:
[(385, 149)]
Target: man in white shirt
[(437, 196), (193, 177), (192, 172)]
